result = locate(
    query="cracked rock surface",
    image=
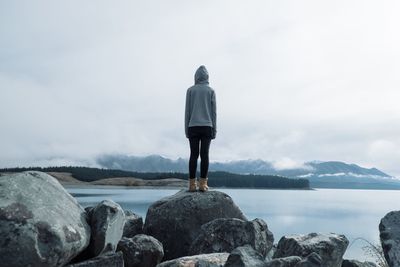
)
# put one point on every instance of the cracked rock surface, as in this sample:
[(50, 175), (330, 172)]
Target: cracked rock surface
[(41, 224)]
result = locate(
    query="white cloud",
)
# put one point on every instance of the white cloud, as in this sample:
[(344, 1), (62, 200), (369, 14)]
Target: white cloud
[(294, 80), (288, 163), (385, 153), (381, 147)]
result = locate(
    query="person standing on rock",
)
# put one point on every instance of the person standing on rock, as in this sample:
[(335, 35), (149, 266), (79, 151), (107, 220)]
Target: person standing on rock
[(200, 126)]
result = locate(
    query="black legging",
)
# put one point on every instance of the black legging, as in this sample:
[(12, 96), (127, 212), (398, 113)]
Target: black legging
[(200, 139)]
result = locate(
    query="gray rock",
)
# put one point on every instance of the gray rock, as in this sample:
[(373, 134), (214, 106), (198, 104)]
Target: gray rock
[(107, 224), (271, 253), (312, 260), (105, 260), (330, 247), (245, 256), (355, 263), (203, 260), (389, 229), (226, 234), (89, 211), (141, 251), (41, 224), (290, 261), (176, 220), (133, 224)]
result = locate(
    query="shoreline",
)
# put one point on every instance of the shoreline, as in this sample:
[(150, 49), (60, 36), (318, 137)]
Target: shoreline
[(97, 186)]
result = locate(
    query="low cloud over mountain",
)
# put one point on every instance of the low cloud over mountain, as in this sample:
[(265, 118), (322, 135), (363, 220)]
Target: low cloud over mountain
[(332, 174)]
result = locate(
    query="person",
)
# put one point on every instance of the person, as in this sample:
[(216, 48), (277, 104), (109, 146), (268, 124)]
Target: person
[(200, 126)]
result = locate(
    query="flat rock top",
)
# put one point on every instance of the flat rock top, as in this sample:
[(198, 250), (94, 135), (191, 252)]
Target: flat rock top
[(314, 238), (200, 207), (188, 199)]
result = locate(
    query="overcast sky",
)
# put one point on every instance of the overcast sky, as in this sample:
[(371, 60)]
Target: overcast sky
[(295, 80)]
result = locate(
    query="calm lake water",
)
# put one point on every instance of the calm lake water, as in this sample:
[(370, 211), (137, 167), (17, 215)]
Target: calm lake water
[(354, 213)]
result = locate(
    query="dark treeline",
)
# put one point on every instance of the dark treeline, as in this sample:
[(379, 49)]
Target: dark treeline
[(87, 174), (226, 179), (217, 179)]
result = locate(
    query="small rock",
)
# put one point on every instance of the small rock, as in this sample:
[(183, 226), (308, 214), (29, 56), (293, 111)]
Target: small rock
[(133, 224), (107, 224), (389, 229), (312, 260), (355, 263), (89, 210), (245, 256), (224, 235), (290, 261), (203, 260), (330, 247), (176, 220), (105, 260), (141, 251)]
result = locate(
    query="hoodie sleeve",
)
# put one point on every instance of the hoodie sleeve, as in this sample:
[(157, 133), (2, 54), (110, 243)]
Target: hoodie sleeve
[(187, 113), (214, 114)]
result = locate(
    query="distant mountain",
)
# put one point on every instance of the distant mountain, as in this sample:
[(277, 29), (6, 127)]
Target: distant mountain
[(330, 174), (152, 163), (336, 174)]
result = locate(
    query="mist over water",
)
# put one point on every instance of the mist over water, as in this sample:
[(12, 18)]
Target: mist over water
[(354, 213)]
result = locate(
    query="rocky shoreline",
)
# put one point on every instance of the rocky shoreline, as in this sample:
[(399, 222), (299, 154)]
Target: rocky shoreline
[(41, 224)]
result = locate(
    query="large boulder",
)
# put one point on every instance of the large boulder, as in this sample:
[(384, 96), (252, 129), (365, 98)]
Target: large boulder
[(114, 259), (389, 229), (203, 260), (133, 224), (245, 256), (290, 261), (141, 251), (41, 224), (330, 247), (176, 220), (107, 224), (356, 263), (226, 234)]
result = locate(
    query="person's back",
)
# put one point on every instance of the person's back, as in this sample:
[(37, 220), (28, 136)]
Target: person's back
[(201, 103), (200, 126)]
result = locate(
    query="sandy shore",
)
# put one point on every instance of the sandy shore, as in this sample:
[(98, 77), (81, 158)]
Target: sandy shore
[(67, 180)]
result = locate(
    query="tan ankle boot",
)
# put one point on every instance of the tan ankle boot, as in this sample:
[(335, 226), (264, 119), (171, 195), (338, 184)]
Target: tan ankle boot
[(203, 187), (192, 185)]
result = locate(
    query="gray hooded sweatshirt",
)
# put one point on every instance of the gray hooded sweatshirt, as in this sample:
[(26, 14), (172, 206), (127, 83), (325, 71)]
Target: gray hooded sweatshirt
[(201, 106)]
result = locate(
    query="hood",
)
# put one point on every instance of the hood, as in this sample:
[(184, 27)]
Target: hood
[(201, 75)]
